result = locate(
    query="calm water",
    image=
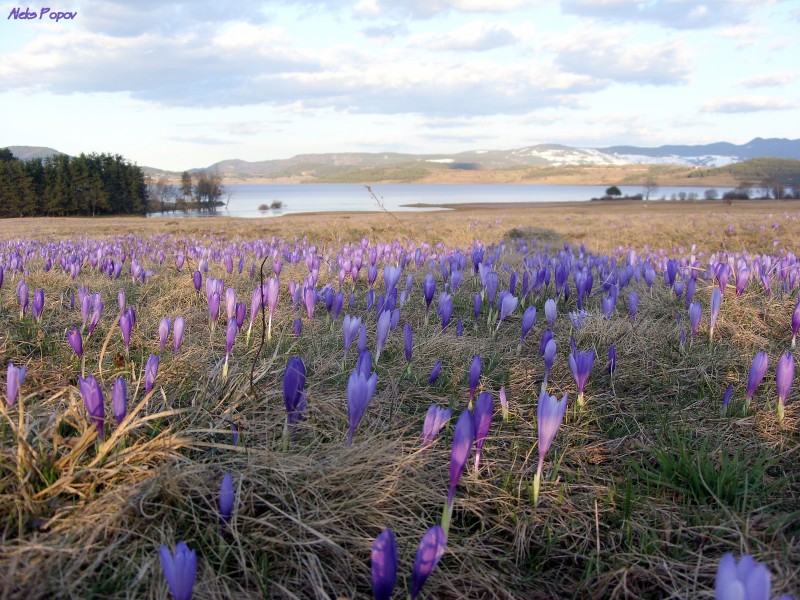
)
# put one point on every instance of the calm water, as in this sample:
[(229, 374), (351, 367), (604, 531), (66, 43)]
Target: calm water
[(302, 198)]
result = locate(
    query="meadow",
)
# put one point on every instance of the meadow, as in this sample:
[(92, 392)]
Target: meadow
[(219, 443)]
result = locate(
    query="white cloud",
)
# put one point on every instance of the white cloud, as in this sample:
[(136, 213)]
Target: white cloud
[(604, 54), (747, 104), (676, 14), (770, 80), (476, 37)]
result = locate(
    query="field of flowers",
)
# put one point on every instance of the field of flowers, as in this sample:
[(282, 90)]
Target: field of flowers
[(541, 402)]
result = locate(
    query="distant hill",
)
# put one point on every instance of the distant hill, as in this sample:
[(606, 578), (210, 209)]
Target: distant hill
[(28, 152), (516, 165)]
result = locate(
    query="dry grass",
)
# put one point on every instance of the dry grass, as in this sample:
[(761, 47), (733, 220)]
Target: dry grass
[(619, 515)]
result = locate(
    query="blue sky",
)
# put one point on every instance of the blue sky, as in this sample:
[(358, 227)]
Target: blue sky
[(185, 84)]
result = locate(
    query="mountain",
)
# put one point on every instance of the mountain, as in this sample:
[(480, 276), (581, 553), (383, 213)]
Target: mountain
[(716, 154), (28, 152), (349, 167)]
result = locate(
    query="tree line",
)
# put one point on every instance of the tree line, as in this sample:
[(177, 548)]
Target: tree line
[(61, 185), (201, 190)]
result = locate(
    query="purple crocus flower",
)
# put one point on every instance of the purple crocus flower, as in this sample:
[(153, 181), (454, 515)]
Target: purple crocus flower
[(213, 308), (22, 294), (612, 359), (549, 414), (633, 304), (350, 329), (163, 332), (528, 321), (230, 302), (197, 279), (38, 304), (431, 548), (382, 332), (384, 565), (119, 399), (297, 327), (360, 389), (758, 369), (93, 400), (391, 275), (462, 443), (409, 341), (125, 327), (784, 377), (150, 372), (15, 377), (580, 363), (75, 340), (745, 580), (445, 309), (550, 311), (227, 497), (121, 304), (230, 337), (437, 368), (294, 382), (726, 398), (549, 359), (310, 300), (476, 305), (271, 296), (695, 313), (507, 306), (547, 335), (484, 410), (178, 327), (795, 324), (475, 369), (428, 290), (504, 403), (179, 569), (436, 418), (716, 302)]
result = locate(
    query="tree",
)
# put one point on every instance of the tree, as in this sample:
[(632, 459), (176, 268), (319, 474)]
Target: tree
[(186, 185), (6, 155), (613, 191), (711, 194), (650, 187), (161, 192)]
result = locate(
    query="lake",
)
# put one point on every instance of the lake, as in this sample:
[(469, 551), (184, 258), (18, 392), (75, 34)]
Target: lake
[(245, 198)]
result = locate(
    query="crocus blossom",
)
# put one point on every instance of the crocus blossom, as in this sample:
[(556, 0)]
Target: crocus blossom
[(119, 400), (484, 409), (227, 498), (150, 372), (743, 580), (75, 341), (436, 418), (179, 569), (437, 368), (15, 377), (294, 381), (462, 443), (360, 389), (93, 401), (384, 565), (784, 377), (580, 363), (178, 327), (549, 414), (475, 369), (758, 369), (430, 551)]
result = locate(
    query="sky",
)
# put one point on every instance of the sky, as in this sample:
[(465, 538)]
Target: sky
[(179, 85)]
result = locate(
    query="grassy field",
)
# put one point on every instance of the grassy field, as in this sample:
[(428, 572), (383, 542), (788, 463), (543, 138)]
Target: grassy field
[(644, 489)]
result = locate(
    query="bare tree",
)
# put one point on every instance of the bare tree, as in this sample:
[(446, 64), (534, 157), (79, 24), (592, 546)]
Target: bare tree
[(650, 187)]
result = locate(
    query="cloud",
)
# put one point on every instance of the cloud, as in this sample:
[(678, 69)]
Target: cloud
[(770, 80), (603, 54), (675, 14), (747, 104), (122, 18), (244, 64), (475, 37), (198, 139), (425, 9), (385, 32)]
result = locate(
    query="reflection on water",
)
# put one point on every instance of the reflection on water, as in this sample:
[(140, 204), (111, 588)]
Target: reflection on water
[(246, 198)]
